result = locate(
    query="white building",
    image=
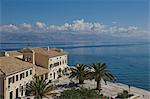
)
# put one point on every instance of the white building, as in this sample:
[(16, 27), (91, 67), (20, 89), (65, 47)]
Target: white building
[(18, 67), (14, 75)]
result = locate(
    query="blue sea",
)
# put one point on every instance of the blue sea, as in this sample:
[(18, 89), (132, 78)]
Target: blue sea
[(129, 62)]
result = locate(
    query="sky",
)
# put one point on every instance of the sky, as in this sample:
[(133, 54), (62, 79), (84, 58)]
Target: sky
[(82, 16)]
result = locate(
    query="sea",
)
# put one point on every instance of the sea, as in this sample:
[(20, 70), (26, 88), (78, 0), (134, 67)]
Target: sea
[(128, 62)]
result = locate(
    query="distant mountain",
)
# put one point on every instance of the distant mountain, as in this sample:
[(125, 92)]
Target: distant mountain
[(64, 37)]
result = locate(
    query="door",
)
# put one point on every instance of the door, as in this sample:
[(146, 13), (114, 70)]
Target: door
[(17, 93), (54, 75), (11, 95)]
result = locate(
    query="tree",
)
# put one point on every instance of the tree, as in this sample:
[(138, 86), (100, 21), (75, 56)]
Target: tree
[(39, 88), (98, 72), (79, 71)]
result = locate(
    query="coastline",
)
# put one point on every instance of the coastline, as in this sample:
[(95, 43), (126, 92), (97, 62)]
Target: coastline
[(111, 89)]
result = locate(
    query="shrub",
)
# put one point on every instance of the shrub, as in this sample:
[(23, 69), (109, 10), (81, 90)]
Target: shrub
[(82, 93)]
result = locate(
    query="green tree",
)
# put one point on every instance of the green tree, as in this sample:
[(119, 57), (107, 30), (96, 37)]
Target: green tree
[(79, 71), (39, 88), (99, 71)]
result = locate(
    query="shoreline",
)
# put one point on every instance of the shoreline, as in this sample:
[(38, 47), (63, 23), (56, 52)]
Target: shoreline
[(111, 89)]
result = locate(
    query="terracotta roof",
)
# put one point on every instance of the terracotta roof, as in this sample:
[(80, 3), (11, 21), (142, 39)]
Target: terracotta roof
[(52, 52), (40, 70), (14, 53), (10, 65)]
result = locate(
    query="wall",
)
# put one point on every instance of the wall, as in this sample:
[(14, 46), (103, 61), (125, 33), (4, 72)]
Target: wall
[(27, 55), (55, 69), (1, 86), (17, 84), (41, 60)]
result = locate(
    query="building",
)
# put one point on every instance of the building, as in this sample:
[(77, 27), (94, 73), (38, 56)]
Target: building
[(14, 74), (18, 67), (55, 60)]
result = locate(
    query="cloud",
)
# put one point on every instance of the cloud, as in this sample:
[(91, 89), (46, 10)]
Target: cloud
[(77, 26), (8, 28), (25, 27), (40, 25)]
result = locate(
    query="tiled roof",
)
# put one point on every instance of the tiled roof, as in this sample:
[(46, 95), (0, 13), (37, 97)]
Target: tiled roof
[(50, 53), (10, 65), (14, 53), (40, 70)]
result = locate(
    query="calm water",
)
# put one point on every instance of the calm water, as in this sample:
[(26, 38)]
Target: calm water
[(130, 63)]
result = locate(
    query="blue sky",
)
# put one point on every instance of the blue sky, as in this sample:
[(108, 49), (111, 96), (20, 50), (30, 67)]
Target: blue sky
[(124, 12), (120, 13)]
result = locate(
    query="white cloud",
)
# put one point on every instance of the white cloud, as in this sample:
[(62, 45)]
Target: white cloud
[(25, 27), (78, 26), (8, 28), (40, 25), (97, 27)]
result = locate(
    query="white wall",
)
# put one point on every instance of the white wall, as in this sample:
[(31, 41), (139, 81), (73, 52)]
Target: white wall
[(54, 69), (17, 84)]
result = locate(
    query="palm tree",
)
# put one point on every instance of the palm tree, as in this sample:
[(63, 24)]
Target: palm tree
[(79, 71), (39, 88), (98, 72)]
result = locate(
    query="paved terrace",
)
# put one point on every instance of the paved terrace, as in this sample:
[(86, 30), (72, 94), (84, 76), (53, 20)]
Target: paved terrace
[(111, 89)]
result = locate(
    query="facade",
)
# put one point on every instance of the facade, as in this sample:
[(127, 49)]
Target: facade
[(15, 74), (55, 60), (18, 67)]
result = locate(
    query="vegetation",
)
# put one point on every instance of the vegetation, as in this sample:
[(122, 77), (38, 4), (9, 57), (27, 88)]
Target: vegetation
[(79, 72), (124, 95), (82, 93), (39, 88), (98, 72)]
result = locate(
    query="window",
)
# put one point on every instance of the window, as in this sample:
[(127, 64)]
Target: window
[(26, 73), (16, 77), (50, 65), (30, 72), (46, 76), (21, 76), (65, 61), (42, 77), (60, 63), (11, 95), (56, 64), (11, 80), (51, 75)]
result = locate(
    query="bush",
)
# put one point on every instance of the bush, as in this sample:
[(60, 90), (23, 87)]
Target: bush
[(124, 95), (82, 93)]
